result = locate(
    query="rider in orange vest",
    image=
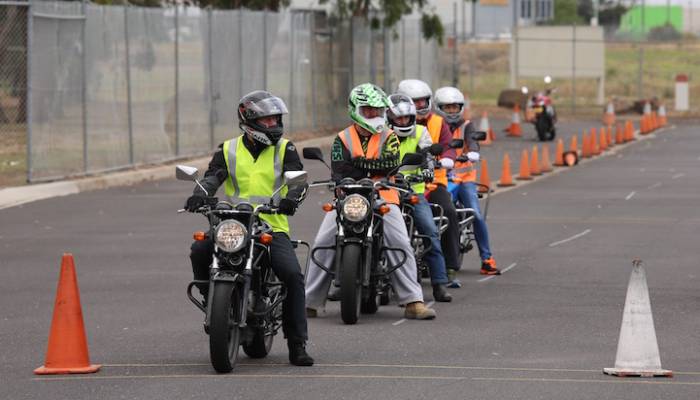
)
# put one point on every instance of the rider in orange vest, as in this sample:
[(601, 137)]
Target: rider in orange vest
[(449, 102), (368, 149), (421, 95)]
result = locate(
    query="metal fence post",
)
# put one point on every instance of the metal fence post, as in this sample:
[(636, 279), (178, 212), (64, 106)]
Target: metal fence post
[(403, 48), (177, 80), (83, 83), (573, 68), (473, 48), (640, 72), (372, 59), (291, 70), (128, 84), (420, 50), (312, 56), (210, 59), (264, 52), (30, 96), (240, 53), (455, 42), (352, 53), (387, 60)]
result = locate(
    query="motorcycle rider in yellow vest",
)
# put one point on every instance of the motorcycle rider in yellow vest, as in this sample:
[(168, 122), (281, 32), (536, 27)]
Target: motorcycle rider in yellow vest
[(415, 139), (379, 146), (422, 95), (250, 167), (449, 103)]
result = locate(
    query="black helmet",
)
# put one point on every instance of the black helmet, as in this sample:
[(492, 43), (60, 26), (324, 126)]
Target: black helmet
[(256, 105)]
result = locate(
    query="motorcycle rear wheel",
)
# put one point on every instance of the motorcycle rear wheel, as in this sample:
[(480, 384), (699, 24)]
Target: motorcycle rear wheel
[(224, 333), (350, 296), (260, 345)]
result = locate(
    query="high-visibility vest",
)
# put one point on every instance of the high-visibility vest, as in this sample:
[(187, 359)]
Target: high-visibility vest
[(463, 171), (351, 140), (410, 145), (434, 126), (254, 180)]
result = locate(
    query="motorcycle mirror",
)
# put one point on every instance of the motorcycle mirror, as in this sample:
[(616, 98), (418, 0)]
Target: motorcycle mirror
[(478, 136), (186, 173), (412, 159), (312, 153), (295, 178), (435, 149), (457, 143)]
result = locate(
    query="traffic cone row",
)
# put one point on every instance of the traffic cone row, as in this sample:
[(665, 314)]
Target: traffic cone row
[(652, 120), (515, 130), (609, 116)]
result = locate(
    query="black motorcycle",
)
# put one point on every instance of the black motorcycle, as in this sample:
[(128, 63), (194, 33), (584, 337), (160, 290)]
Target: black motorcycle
[(360, 267), (244, 305)]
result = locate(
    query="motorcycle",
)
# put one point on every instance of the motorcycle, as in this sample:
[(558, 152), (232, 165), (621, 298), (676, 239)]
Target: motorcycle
[(244, 303), (543, 116), (360, 266)]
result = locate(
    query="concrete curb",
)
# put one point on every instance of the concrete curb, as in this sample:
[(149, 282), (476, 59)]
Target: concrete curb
[(14, 196)]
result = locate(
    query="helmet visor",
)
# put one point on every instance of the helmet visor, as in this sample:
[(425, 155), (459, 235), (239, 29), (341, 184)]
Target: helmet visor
[(254, 109)]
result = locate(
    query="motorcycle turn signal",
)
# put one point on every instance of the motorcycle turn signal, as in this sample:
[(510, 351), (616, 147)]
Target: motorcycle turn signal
[(328, 207), (414, 200), (383, 209), (199, 236), (265, 238)]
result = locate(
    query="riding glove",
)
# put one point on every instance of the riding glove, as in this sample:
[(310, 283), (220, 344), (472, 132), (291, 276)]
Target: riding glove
[(287, 207), (194, 202)]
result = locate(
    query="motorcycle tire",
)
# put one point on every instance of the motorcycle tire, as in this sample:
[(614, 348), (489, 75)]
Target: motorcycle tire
[(350, 295), (260, 345), (542, 128), (552, 134), (224, 333)]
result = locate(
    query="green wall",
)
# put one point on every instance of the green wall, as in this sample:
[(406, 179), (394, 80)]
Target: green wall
[(654, 16)]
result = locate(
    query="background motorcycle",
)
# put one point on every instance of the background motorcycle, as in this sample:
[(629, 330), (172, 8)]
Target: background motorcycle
[(360, 266), (543, 114), (244, 306)]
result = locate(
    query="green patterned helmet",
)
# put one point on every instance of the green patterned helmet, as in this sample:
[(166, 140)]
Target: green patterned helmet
[(367, 106)]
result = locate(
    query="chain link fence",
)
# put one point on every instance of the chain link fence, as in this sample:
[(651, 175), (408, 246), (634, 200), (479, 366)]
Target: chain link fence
[(112, 87)]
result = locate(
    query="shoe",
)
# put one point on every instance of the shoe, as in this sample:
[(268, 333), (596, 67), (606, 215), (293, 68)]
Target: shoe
[(488, 267), (334, 293), (418, 310), (440, 294), (298, 355), (453, 282), (311, 312)]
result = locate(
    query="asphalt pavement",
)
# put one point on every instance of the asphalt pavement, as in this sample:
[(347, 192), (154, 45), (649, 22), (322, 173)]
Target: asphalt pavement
[(544, 329)]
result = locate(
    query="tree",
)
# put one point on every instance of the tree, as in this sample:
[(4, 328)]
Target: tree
[(566, 13)]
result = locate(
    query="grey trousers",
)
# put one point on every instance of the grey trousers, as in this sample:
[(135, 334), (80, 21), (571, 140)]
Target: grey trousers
[(403, 279)]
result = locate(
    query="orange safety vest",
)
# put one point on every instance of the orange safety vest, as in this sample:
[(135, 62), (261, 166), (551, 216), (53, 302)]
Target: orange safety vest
[(351, 140), (434, 126), (463, 171)]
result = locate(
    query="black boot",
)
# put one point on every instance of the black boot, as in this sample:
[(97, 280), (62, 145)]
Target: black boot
[(440, 294), (298, 355)]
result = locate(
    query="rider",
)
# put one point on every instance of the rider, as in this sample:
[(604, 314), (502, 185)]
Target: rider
[(415, 138), (421, 95), (380, 149), (251, 165), (449, 103)]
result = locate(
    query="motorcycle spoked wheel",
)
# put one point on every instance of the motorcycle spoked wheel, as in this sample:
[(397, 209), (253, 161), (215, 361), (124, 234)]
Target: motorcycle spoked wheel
[(224, 333), (350, 288)]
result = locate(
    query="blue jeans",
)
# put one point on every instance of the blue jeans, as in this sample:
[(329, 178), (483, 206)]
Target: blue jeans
[(467, 195), (423, 219)]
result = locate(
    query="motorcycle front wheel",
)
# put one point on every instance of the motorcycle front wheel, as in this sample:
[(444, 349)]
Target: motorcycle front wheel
[(224, 333), (350, 298)]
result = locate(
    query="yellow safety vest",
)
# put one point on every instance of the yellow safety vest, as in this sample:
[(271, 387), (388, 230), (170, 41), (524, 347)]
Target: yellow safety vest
[(410, 145)]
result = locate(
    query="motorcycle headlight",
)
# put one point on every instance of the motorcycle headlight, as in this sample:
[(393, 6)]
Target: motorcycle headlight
[(230, 236), (355, 208)]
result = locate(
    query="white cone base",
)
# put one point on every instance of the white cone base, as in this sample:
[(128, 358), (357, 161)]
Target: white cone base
[(623, 372)]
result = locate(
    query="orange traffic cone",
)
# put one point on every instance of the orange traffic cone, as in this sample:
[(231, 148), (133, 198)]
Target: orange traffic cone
[(506, 177), (559, 156), (574, 145), (484, 126), (609, 116), (603, 139), (67, 351), (609, 137), (484, 176), (595, 149), (546, 166), (663, 120), (535, 162), (619, 135), (524, 173), (585, 146), (629, 131), (515, 129)]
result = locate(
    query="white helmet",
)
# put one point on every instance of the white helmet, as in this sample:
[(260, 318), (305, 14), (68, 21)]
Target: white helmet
[(449, 95), (401, 105), (417, 89)]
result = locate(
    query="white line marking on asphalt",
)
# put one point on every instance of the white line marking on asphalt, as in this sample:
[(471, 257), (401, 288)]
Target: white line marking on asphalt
[(629, 196), (578, 235), (402, 320), (654, 186), (676, 176), (508, 268)]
